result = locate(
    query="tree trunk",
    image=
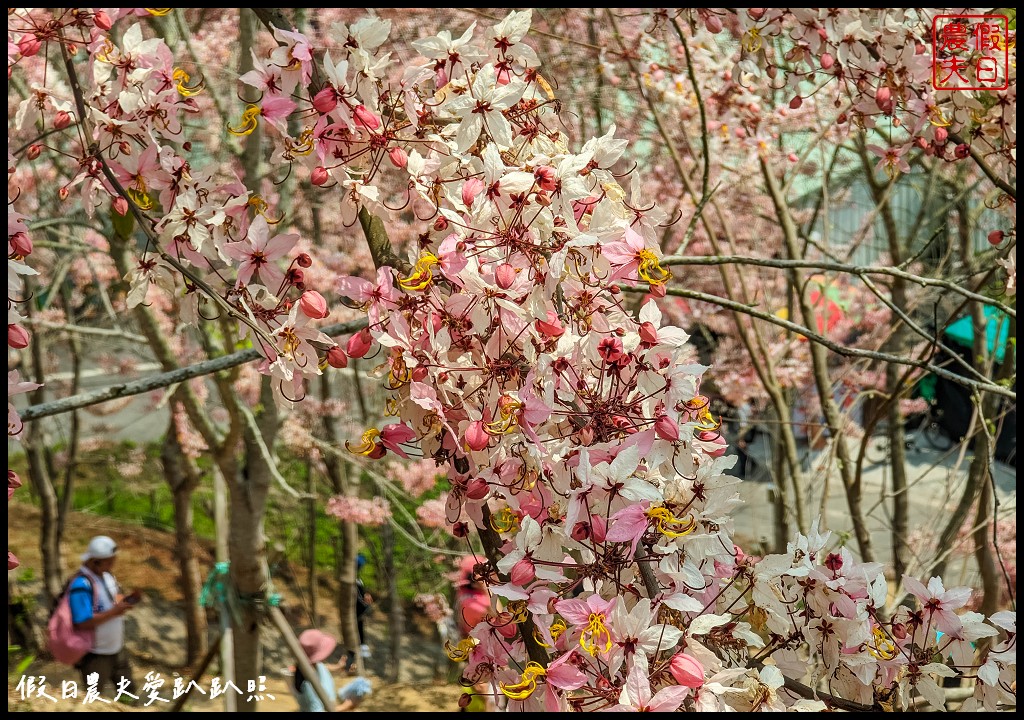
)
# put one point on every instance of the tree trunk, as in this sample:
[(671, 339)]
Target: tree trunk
[(396, 615), (822, 380), (41, 478), (247, 543), (183, 481)]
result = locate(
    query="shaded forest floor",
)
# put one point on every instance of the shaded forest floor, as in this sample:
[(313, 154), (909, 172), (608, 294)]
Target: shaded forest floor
[(156, 630)]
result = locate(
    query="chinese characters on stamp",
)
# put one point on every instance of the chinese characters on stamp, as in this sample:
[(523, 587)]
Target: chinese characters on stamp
[(970, 52)]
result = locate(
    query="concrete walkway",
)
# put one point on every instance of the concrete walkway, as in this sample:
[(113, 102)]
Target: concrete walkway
[(935, 482)]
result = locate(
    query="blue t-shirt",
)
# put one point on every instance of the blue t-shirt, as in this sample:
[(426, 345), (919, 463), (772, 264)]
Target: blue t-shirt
[(309, 701), (80, 599)]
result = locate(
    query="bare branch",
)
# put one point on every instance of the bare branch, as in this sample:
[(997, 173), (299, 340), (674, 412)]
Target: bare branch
[(828, 266), (831, 345), (155, 382)]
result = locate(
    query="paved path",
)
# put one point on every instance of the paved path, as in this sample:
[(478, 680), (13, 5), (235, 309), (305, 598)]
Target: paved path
[(935, 479)]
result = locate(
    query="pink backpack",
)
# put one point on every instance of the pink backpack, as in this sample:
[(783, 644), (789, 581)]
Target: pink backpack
[(67, 644)]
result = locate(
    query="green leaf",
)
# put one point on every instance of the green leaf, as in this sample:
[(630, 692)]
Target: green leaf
[(124, 225)]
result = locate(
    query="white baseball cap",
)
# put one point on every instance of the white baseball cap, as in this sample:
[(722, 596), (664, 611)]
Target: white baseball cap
[(100, 548)]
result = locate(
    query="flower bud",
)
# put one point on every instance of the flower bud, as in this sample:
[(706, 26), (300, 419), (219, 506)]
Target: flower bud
[(337, 358), (941, 135), (658, 290), (477, 489), (995, 237), (580, 531), (365, 118), (552, 327), (303, 260), (17, 336), (476, 436), (686, 670), (796, 102), (319, 176), (598, 528), (756, 13), (120, 205), (313, 305), (713, 23), (505, 275), (962, 150), (295, 277), (61, 120), (64, 192), (399, 157), (648, 333), (883, 95), (20, 244), (29, 45), (102, 20), (523, 572), (666, 428), (359, 344), (325, 100), (33, 151), (460, 530), (419, 373), (827, 61)]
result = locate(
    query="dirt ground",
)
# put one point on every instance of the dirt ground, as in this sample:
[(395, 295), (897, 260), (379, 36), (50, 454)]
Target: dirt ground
[(156, 632)]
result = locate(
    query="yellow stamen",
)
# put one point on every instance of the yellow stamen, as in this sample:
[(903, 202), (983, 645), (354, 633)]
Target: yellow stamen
[(505, 520), (367, 443), (159, 12), (557, 628), (517, 609), (508, 412), (671, 526), (140, 194), (594, 634), (181, 79), (936, 117), (751, 40), (305, 144), (248, 123), (421, 274), (883, 648), (291, 341), (701, 405), (260, 206), (524, 688), (460, 652), (391, 406), (651, 270), (399, 374)]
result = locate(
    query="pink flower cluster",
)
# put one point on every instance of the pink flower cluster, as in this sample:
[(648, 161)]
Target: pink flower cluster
[(373, 512)]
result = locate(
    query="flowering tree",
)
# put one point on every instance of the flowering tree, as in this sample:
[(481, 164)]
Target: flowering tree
[(569, 418)]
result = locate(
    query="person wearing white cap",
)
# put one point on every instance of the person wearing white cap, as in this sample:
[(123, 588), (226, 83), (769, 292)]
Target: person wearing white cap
[(97, 604)]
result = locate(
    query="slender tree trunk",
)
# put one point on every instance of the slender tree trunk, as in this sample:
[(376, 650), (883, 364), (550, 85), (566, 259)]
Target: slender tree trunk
[(247, 542), (822, 381), (42, 481), (396, 615), (314, 615), (983, 552), (71, 462), (183, 481), (896, 344)]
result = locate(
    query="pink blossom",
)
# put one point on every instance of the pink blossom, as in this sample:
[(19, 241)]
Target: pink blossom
[(938, 604), (259, 253)]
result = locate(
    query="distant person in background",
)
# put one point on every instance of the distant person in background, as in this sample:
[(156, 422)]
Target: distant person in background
[(746, 432), (364, 601), (97, 604), (318, 646)]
